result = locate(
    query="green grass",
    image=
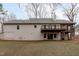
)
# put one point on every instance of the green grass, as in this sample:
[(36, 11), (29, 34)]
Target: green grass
[(39, 48)]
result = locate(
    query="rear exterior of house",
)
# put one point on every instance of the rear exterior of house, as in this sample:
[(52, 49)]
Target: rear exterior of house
[(38, 29)]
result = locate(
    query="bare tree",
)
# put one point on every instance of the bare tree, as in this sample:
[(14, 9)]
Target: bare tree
[(11, 16), (71, 13), (3, 16), (36, 10), (6, 15), (53, 7), (42, 11), (33, 9)]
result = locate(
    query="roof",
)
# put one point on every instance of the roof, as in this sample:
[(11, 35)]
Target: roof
[(38, 21)]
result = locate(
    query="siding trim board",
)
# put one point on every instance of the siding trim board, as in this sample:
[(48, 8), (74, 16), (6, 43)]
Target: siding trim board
[(36, 23)]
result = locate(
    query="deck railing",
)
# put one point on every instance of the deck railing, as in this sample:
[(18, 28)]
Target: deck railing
[(45, 27)]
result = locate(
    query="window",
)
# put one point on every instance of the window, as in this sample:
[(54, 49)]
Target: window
[(44, 26), (55, 35), (44, 35), (35, 26), (17, 27)]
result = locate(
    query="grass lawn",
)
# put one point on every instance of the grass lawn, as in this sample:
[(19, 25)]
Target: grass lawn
[(39, 48)]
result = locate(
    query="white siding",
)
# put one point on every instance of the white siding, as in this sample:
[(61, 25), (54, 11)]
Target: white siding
[(26, 32), (58, 37), (0, 28)]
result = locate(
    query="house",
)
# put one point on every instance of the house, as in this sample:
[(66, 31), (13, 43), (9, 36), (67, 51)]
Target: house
[(38, 29)]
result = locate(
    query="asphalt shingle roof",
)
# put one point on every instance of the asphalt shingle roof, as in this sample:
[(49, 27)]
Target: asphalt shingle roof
[(39, 21)]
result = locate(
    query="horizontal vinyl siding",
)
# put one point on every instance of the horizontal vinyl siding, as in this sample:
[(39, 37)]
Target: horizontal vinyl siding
[(26, 32)]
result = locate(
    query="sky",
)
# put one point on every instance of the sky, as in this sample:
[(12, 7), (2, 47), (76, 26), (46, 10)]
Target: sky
[(20, 13), (15, 9)]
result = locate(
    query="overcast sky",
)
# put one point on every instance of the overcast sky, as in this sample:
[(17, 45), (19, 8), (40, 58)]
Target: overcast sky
[(20, 11)]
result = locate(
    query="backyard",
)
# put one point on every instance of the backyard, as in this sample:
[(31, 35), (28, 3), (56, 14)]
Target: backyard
[(39, 48)]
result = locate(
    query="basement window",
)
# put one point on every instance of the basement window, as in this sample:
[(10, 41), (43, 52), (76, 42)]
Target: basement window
[(44, 35), (35, 26), (17, 27)]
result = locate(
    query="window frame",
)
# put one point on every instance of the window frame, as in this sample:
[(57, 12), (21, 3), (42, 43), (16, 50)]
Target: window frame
[(35, 26), (18, 27), (44, 35)]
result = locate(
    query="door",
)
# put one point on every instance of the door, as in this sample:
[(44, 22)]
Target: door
[(50, 36)]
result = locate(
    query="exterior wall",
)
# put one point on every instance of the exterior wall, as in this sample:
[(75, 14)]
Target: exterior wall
[(76, 31), (58, 37), (0, 28), (26, 32)]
